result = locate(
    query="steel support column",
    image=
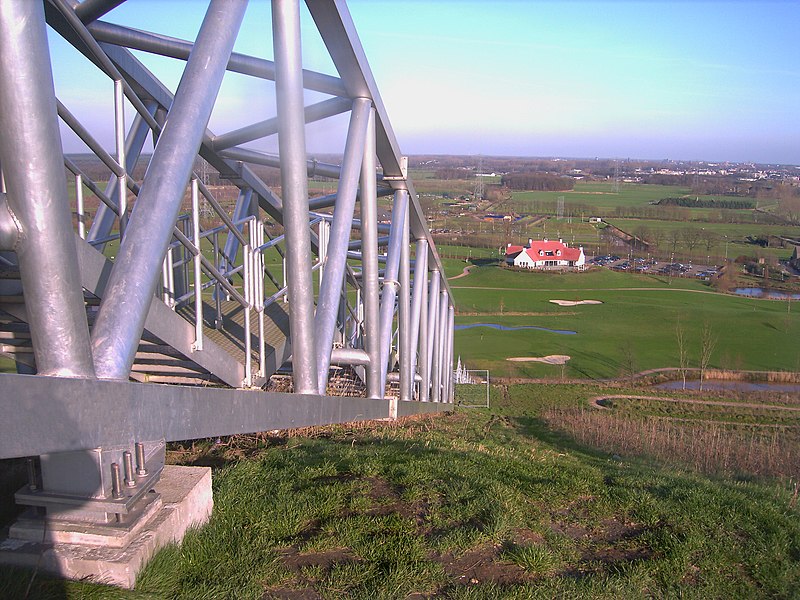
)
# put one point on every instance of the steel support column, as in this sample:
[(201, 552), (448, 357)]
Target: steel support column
[(294, 182), (449, 355), (433, 321), (136, 271), (390, 280), (404, 314), (369, 269), (330, 293), (424, 354), (31, 155), (420, 281), (441, 341)]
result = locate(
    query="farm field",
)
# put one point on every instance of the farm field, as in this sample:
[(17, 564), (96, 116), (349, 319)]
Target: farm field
[(491, 503), (634, 329)]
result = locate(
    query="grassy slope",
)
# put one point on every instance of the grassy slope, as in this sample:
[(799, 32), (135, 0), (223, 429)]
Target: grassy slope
[(638, 323), (483, 504)]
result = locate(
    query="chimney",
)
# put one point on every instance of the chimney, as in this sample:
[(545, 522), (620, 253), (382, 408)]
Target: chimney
[(509, 245), (530, 241), (560, 241)]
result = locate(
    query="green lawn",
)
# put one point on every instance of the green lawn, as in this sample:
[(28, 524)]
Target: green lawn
[(634, 329)]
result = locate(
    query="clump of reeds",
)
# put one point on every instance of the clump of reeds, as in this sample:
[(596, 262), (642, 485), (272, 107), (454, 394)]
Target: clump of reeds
[(707, 447)]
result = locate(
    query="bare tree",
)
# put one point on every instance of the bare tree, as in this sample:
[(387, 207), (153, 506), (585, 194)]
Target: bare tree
[(683, 352), (657, 236), (675, 237), (691, 237), (629, 364), (710, 238), (707, 344)]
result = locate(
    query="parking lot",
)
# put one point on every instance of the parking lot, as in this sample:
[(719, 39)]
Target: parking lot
[(645, 265)]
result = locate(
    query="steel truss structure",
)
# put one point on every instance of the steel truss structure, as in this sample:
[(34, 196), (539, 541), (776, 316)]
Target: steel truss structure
[(191, 299)]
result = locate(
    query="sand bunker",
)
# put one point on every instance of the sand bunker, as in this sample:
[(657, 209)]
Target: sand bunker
[(574, 302), (553, 359)]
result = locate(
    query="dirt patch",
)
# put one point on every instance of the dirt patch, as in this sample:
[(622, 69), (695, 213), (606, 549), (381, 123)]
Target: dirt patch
[(574, 302), (482, 565), (552, 359), (296, 561)]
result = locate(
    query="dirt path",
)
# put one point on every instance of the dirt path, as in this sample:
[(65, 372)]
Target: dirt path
[(595, 402), (464, 273)]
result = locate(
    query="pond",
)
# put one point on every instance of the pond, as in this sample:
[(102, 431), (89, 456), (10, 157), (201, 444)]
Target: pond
[(764, 293), (739, 386), (507, 328)]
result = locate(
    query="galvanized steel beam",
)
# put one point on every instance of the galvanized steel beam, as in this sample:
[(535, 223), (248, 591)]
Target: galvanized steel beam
[(33, 169), (291, 139), (330, 292), (138, 265)]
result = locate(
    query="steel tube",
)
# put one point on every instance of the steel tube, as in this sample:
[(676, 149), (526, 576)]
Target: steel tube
[(198, 270), (119, 136), (420, 281), (369, 268), (406, 349), (103, 220), (134, 276), (181, 49), (294, 182), (424, 365), (79, 206), (90, 10), (256, 131), (95, 53), (450, 331), (31, 155), (331, 285), (312, 167), (440, 344), (390, 280), (433, 318), (330, 199), (349, 356)]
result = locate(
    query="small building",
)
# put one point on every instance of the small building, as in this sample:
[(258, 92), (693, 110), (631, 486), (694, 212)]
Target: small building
[(546, 255)]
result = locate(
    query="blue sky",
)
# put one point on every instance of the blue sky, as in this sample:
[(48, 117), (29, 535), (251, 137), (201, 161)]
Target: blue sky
[(682, 80)]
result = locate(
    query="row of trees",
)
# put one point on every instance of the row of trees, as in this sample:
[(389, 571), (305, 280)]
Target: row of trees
[(688, 237), (539, 182), (697, 202)]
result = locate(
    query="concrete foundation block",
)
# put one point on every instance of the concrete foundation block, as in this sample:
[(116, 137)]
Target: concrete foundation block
[(185, 501)]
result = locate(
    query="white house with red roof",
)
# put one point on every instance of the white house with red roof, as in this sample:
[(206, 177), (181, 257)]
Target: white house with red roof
[(545, 255)]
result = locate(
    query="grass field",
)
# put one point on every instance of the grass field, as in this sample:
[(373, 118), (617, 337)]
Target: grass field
[(634, 328), (483, 504), (602, 197)]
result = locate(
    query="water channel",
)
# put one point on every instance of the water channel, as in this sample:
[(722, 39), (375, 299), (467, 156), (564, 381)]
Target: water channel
[(507, 328), (764, 293)]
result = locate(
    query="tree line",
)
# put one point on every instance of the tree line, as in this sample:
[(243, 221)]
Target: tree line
[(706, 203), (539, 182)]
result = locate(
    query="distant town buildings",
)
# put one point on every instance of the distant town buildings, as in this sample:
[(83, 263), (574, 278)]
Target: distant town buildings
[(549, 255)]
